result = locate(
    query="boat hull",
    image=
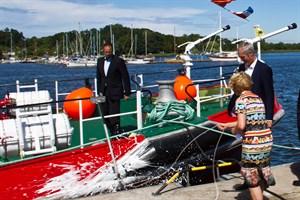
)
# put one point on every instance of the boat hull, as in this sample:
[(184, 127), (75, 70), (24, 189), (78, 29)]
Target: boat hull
[(31, 179)]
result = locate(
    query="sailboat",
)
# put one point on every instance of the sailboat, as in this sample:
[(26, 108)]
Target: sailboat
[(81, 60), (132, 59), (10, 55), (223, 56)]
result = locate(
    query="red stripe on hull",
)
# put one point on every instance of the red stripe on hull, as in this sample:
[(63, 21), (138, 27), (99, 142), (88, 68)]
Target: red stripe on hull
[(22, 180)]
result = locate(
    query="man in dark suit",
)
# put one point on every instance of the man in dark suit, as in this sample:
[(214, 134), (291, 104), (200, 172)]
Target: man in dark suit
[(262, 77), (114, 83)]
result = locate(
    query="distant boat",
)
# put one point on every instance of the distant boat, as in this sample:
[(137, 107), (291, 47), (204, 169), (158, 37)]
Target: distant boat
[(133, 58), (177, 59), (10, 55), (82, 62), (137, 61), (223, 56), (229, 56)]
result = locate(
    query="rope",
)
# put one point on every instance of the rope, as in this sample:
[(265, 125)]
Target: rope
[(231, 135), (174, 109)]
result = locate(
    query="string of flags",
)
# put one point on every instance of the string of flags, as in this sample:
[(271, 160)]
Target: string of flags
[(242, 14)]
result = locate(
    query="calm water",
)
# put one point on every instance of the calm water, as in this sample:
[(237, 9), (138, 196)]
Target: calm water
[(286, 82)]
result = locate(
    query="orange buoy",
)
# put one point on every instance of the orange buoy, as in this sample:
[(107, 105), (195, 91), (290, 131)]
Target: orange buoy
[(72, 107), (181, 82)]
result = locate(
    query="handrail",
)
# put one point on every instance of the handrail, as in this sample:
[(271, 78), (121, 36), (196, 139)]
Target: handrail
[(134, 77)]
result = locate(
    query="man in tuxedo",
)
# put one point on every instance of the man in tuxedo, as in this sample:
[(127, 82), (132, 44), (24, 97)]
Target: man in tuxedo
[(113, 82), (262, 77)]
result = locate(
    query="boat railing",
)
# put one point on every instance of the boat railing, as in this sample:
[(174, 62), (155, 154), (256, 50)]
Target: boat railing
[(139, 78), (221, 96), (58, 93), (138, 112)]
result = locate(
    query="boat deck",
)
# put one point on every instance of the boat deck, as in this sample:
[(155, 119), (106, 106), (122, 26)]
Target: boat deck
[(284, 174), (94, 129)]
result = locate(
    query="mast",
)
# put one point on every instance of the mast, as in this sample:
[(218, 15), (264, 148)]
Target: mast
[(112, 39), (135, 44), (130, 53), (174, 41), (11, 53), (80, 40), (63, 48), (57, 48), (67, 48), (146, 43), (220, 26), (76, 43), (11, 48)]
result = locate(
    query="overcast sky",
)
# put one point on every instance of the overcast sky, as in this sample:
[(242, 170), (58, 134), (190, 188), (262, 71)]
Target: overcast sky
[(47, 17)]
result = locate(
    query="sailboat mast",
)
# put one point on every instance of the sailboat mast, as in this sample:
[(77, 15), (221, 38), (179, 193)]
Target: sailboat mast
[(57, 48), (67, 47), (220, 26), (112, 39), (135, 46), (11, 48), (130, 53), (80, 40), (146, 43), (174, 41)]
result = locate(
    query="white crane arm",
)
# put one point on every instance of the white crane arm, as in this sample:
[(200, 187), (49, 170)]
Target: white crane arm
[(191, 45)]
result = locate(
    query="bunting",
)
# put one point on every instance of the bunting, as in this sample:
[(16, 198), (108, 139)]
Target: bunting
[(243, 14)]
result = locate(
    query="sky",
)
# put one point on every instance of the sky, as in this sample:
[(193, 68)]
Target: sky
[(175, 17)]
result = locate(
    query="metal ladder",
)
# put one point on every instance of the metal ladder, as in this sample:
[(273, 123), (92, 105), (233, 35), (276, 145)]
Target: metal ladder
[(34, 113)]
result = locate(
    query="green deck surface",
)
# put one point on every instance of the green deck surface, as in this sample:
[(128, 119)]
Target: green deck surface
[(93, 130)]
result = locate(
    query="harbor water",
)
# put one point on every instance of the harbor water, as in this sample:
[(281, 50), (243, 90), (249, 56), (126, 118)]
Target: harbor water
[(286, 77)]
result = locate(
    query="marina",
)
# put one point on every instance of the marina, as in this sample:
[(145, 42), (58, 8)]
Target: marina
[(279, 62), (71, 138), (176, 106)]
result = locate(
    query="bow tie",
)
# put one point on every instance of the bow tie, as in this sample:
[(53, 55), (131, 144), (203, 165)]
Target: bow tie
[(107, 59)]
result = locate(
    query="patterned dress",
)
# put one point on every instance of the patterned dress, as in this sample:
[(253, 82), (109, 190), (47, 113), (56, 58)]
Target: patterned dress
[(257, 140)]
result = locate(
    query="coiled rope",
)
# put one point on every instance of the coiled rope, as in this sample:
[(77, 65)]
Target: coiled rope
[(176, 110)]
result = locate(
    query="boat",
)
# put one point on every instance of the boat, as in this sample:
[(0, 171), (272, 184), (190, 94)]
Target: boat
[(82, 62), (67, 153), (177, 59), (230, 56), (137, 61), (222, 56), (134, 59), (61, 148), (9, 56)]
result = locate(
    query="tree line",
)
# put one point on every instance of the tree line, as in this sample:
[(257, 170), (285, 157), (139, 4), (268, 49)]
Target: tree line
[(125, 40)]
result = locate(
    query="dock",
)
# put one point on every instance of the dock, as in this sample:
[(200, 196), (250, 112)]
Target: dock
[(286, 175)]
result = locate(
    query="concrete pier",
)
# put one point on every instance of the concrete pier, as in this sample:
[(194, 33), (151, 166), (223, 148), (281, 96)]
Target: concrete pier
[(285, 175)]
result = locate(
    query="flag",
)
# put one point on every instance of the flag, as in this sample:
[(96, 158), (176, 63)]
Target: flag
[(258, 31), (221, 3), (245, 13)]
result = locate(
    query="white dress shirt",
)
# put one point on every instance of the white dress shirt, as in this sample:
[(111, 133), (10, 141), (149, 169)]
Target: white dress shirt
[(106, 65), (249, 69)]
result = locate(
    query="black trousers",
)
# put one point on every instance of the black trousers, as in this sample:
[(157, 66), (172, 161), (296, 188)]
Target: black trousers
[(110, 107)]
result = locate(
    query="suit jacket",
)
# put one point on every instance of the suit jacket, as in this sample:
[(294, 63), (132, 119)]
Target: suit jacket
[(116, 81), (262, 78)]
